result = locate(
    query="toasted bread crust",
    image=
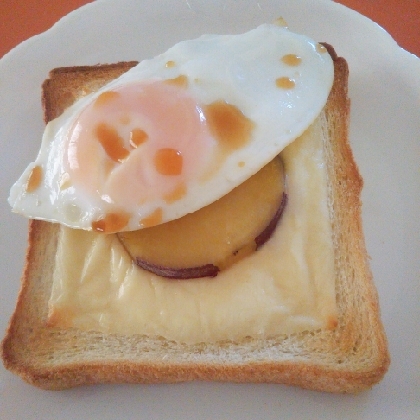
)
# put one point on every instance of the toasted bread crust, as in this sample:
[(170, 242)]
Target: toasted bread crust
[(66, 84), (352, 357)]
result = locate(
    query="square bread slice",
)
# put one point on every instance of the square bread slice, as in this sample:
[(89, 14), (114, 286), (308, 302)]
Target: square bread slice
[(352, 357)]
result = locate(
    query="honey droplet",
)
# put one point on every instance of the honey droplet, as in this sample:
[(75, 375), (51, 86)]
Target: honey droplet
[(112, 143), (106, 97), (176, 194), (170, 63), (241, 164), (280, 21), (228, 124), (181, 81), (168, 161), (285, 83), (111, 223), (155, 218), (34, 180), (321, 49), (138, 137), (291, 60)]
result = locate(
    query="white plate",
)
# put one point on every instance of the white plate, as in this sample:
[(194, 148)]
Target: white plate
[(385, 135)]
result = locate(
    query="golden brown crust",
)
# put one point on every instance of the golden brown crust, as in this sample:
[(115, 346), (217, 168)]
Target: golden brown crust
[(349, 358), (65, 84)]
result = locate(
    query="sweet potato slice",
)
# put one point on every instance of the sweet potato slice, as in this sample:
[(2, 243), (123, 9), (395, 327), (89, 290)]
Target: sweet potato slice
[(211, 239)]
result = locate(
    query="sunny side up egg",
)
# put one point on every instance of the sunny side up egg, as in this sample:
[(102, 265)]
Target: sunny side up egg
[(176, 132)]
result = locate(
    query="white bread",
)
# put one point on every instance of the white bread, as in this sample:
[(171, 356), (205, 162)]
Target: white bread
[(350, 358)]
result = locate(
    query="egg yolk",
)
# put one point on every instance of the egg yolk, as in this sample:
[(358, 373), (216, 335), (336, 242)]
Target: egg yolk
[(139, 143)]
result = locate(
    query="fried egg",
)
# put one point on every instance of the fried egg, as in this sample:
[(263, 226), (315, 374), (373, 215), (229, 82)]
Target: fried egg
[(176, 132)]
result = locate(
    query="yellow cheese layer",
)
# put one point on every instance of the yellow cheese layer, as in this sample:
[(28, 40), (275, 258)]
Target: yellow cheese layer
[(287, 286)]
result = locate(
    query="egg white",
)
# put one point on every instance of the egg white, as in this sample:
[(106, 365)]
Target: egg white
[(238, 69)]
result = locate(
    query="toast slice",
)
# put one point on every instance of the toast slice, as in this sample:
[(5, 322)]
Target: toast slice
[(349, 358)]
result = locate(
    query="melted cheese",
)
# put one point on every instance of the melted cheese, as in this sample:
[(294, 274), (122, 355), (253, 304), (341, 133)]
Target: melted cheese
[(285, 287)]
